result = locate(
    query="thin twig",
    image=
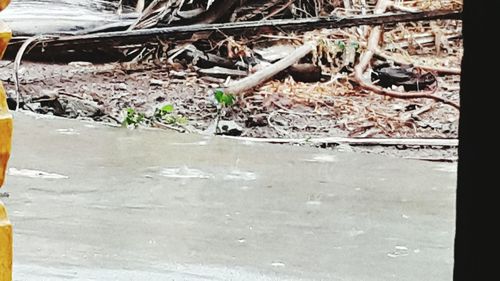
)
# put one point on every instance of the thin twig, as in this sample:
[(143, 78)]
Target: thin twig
[(17, 63), (442, 70), (166, 126), (278, 10), (271, 124), (302, 113), (403, 8)]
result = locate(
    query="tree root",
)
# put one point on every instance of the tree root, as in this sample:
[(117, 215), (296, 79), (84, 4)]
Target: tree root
[(366, 57)]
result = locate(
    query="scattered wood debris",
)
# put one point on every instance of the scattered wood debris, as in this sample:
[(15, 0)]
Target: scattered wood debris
[(300, 69)]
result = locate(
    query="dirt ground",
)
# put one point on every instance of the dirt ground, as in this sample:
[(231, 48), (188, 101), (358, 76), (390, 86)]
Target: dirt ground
[(278, 109)]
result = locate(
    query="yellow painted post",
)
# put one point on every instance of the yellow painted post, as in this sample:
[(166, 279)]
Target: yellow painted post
[(5, 246), (5, 147), (4, 4)]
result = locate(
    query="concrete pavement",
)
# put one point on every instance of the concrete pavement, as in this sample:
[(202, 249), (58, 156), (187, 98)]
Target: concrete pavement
[(91, 202)]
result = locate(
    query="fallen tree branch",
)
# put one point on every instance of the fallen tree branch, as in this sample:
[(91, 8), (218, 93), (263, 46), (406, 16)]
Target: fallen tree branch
[(105, 42), (354, 141), (265, 74), (366, 57)]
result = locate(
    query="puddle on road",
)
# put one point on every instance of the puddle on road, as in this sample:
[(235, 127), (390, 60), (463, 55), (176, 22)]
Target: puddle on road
[(34, 174), (198, 143), (278, 264), (399, 251), (313, 202), (69, 131), (240, 175), (185, 173), (322, 158)]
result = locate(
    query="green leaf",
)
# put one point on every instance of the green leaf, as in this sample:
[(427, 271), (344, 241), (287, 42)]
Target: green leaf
[(223, 98), (133, 118), (341, 45), (219, 95), (228, 99), (167, 108)]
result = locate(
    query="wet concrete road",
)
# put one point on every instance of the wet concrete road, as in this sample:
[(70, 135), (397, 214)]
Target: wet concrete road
[(90, 202)]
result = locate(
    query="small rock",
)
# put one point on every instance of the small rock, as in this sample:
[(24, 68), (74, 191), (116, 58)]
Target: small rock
[(82, 108), (80, 64), (156, 82), (121, 86), (178, 74)]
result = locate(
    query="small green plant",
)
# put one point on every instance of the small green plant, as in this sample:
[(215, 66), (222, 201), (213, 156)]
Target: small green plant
[(224, 100), (165, 114), (166, 109), (133, 118)]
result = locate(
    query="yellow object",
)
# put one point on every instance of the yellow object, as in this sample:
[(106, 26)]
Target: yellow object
[(5, 134), (5, 246), (5, 116), (4, 4), (5, 147), (5, 35)]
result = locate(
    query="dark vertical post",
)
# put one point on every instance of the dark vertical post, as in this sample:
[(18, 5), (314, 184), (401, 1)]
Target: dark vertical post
[(477, 205)]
